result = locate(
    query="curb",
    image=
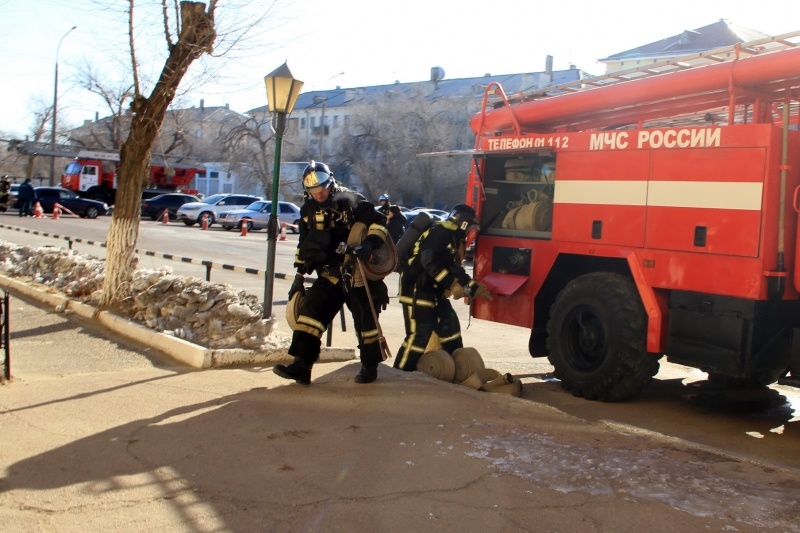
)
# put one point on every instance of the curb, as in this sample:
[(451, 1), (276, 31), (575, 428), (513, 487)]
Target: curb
[(183, 351)]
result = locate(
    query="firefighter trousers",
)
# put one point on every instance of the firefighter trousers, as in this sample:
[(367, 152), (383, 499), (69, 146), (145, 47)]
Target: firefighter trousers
[(425, 311), (322, 301)]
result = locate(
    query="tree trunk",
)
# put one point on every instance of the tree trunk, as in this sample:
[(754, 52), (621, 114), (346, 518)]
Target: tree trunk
[(196, 38)]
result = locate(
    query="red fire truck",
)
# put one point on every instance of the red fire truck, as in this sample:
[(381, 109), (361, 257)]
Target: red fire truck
[(647, 214), (93, 174)]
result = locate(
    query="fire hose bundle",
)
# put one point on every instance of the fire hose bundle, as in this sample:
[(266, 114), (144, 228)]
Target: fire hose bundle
[(466, 367)]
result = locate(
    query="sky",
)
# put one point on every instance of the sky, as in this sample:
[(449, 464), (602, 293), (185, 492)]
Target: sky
[(347, 43)]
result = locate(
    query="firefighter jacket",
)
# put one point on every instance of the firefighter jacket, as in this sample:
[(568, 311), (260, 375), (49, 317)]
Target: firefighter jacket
[(436, 262), (324, 226)]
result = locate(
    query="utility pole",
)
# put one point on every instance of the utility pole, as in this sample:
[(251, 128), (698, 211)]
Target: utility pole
[(55, 112)]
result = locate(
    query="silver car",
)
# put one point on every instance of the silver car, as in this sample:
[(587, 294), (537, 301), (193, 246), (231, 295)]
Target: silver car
[(192, 213), (256, 216)]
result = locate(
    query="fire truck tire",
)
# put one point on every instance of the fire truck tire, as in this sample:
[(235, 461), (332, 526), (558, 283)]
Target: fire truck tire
[(596, 338)]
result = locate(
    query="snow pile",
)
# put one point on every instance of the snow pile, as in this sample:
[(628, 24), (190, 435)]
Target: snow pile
[(213, 315)]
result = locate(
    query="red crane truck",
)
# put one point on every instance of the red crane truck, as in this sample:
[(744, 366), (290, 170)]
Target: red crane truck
[(647, 214), (93, 174)]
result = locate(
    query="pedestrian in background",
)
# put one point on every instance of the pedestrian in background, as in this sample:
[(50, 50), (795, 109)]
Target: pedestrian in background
[(384, 204), (427, 281), (396, 223), (25, 198), (326, 219)]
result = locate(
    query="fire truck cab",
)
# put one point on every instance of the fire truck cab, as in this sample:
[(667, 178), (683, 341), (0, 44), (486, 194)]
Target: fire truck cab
[(646, 216)]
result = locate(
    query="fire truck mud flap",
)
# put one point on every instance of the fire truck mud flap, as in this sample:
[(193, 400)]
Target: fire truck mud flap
[(597, 338)]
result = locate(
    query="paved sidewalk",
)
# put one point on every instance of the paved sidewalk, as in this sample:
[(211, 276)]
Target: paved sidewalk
[(99, 434)]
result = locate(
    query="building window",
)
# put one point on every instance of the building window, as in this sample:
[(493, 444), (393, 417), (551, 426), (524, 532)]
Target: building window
[(214, 175), (302, 123), (335, 121)]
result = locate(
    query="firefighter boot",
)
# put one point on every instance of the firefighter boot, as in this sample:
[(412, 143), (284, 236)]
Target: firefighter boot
[(368, 374), (299, 371), (370, 357)]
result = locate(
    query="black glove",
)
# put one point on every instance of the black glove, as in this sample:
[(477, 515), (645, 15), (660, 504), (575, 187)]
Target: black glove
[(380, 294), (479, 290), (297, 286), (364, 250)]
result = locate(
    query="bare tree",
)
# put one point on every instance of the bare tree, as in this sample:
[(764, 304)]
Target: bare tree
[(194, 36), (111, 131), (249, 148), (387, 135), (28, 165)]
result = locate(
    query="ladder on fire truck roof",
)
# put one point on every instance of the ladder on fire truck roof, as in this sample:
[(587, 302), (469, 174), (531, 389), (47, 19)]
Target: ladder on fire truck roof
[(717, 55), (67, 150), (494, 97)]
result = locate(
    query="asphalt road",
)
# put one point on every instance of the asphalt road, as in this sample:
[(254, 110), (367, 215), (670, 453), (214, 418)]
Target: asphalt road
[(763, 425)]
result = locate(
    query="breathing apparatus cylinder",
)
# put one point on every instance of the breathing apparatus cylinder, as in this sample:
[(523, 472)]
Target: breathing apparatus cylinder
[(405, 244)]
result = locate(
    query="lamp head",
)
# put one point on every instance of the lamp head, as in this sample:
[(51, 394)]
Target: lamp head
[(282, 90)]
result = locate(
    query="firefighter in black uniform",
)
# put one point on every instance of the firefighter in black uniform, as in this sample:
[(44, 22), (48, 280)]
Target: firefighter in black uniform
[(326, 219), (428, 278), (384, 204)]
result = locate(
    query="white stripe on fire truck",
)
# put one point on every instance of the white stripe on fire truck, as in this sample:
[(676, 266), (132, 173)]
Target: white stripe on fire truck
[(710, 195)]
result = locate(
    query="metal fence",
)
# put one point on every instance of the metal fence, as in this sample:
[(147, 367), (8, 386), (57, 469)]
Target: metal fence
[(4, 336)]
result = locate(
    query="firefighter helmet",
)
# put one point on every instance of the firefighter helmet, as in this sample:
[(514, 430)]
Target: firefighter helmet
[(463, 216), (317, 175), (384, 198)]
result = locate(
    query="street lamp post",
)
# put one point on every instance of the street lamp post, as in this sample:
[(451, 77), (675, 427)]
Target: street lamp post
[(55, 112), (282, 93)]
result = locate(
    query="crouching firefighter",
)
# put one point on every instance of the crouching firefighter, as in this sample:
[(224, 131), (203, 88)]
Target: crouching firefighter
[(431, 275), (327, 217)]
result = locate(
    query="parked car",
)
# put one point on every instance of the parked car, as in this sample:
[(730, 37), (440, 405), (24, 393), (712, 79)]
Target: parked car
[(411, 215), (438, 213), (13, 193), (257, 216), (193, 212), (83, 207), (154, 207)]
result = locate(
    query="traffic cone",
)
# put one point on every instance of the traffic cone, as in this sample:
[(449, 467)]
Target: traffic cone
[(283, 231), (165, 217), (244, 227), (56, 211), (38, 212), (204, 223)]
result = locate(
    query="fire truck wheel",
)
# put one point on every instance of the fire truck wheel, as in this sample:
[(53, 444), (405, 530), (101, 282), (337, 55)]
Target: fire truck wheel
[(596, 338)]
